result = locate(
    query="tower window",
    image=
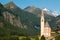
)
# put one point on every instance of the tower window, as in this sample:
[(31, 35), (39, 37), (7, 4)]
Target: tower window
[(42, 20)]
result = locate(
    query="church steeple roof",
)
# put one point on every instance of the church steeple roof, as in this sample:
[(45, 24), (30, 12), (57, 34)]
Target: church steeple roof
[(46, 24)]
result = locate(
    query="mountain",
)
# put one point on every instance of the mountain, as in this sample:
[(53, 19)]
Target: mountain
[(37, 11), (52, 13), (10, 5), (55, 13), (6, 28), (58, 20), (33, 10), (47, 14), (17, 17), (24, 21)]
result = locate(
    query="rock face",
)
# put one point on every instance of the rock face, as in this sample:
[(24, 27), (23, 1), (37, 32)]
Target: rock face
[(10, 5), (14, 20)]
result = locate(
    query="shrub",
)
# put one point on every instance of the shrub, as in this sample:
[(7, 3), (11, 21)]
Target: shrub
[(27, 38), (36, 38), (57, 38), (42, 37)]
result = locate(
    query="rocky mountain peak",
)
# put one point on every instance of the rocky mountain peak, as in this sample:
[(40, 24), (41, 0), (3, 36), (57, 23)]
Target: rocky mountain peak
[(34, 10), (30, 7), (10, 5)]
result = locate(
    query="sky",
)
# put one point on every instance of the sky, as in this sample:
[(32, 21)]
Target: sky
[(53, 5)]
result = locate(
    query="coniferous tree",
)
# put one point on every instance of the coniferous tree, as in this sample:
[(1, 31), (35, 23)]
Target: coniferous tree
[(36, 38), (42, 37)]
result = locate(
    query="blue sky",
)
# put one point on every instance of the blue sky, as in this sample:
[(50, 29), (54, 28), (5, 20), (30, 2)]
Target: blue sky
[(53, 5)]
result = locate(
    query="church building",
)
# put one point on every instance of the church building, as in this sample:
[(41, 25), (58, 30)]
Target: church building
[(45, 27)]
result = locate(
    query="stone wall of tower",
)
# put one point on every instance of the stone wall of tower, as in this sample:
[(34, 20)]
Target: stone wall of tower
[(42, 23)]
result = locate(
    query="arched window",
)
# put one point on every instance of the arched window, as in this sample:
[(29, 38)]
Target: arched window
[(42, 20)]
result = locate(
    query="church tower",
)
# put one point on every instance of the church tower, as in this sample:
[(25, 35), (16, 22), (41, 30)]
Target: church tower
[(42, 23), (45, 27)]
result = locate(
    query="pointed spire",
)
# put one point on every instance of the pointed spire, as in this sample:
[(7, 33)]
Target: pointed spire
[(42, 12), (42, 22)]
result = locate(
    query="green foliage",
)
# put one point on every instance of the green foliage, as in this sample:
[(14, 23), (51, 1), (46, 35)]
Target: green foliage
[(27, 38), (42, 37), (36, 38), (9, 38), (57, 38)]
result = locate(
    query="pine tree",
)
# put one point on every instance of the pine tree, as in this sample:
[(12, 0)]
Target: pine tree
[(42, 37), (36, 38)]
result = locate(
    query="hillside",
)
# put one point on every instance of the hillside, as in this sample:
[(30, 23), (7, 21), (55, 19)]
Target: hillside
[(58, 20), (6, 28), (23, 21)]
